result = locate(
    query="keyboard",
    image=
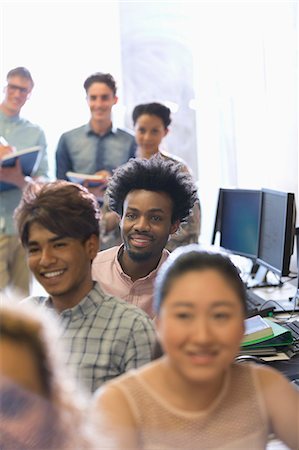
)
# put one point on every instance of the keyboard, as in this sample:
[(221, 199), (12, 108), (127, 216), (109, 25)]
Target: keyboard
[(258, 305), (254, 305)]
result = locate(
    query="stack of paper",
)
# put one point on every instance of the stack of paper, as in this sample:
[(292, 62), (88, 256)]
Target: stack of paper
[(276, 336)]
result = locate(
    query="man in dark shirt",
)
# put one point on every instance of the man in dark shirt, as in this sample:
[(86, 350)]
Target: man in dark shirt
[(97, 147)]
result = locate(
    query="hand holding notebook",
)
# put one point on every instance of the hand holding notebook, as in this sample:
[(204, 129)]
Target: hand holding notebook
[(28, 158)]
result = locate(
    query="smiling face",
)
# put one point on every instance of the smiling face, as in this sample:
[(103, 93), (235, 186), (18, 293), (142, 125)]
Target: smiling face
[(16, 92), (100, 99), (146, 224), (200, 325), (62, 265), (149, 132)]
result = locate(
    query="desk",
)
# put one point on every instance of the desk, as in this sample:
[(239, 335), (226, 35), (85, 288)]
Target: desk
[(289, 367), (281, 294)]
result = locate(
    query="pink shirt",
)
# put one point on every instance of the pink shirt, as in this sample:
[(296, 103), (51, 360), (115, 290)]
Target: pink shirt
[(108, 272)]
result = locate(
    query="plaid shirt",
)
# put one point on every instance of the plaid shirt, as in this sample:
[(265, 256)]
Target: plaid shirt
[(103, 336)]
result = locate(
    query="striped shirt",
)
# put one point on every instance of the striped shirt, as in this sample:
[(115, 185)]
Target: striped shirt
[(102, 336)]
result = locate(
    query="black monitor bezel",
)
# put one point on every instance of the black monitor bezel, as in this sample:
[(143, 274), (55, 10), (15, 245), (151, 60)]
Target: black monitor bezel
[(218, 218), (289, 233)]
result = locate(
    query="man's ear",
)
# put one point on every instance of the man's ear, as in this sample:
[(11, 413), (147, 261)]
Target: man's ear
[(115, 99), (92, 246), (174, 226)]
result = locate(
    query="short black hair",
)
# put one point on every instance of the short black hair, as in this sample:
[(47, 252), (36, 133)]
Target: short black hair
[(192, 258), (66, 209), (99, 77), (155, 174), (20, 72), (152, 109)]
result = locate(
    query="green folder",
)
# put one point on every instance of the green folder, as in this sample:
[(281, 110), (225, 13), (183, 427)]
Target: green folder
[(281, 336)]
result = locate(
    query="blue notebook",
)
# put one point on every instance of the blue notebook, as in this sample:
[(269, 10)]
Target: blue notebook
[(29, 158)]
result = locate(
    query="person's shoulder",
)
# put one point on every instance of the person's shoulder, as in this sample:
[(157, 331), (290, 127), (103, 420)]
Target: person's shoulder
[(30, 125), (165, 254), (131, 376), (123, 377), (126, 311), (74, 132), (33, 301), (126, 132), (128, 316), (105, 255), (176, 159), (113, 396), (268, 376)]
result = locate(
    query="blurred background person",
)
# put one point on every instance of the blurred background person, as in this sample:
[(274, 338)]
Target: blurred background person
[(97, 147), (41, 407), (16, 133), (151, 123)]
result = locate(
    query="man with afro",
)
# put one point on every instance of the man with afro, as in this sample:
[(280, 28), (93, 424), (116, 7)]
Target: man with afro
[(152, 197)]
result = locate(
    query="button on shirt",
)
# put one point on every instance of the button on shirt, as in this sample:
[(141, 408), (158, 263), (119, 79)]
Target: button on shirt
[(82, 150), (107, 270), (103, 336)]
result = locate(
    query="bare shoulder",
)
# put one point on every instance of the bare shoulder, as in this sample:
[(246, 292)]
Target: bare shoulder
[(114, 418), (269, 377), (277, 390), (110, 402), (108, 394), (281, 399), (112, 394)]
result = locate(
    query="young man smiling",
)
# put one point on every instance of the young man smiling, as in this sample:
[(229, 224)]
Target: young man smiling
[(152, 197), (59, 226), (98, 145)]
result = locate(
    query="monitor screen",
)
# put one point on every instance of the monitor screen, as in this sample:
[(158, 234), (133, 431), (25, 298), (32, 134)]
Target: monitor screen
[(237, 220), (277, 230)]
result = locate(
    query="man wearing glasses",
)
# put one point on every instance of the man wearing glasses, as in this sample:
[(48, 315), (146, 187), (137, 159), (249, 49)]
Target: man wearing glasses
[(16, 133)]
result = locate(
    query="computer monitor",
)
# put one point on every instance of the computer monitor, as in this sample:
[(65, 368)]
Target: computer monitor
[(277, 231), (237, 221)]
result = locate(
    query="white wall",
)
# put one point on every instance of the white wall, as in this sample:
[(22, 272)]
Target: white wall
[(61, 43), (246, 75)]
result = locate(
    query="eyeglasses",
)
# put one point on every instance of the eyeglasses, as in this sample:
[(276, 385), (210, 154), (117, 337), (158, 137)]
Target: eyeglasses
[(13, 87)]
